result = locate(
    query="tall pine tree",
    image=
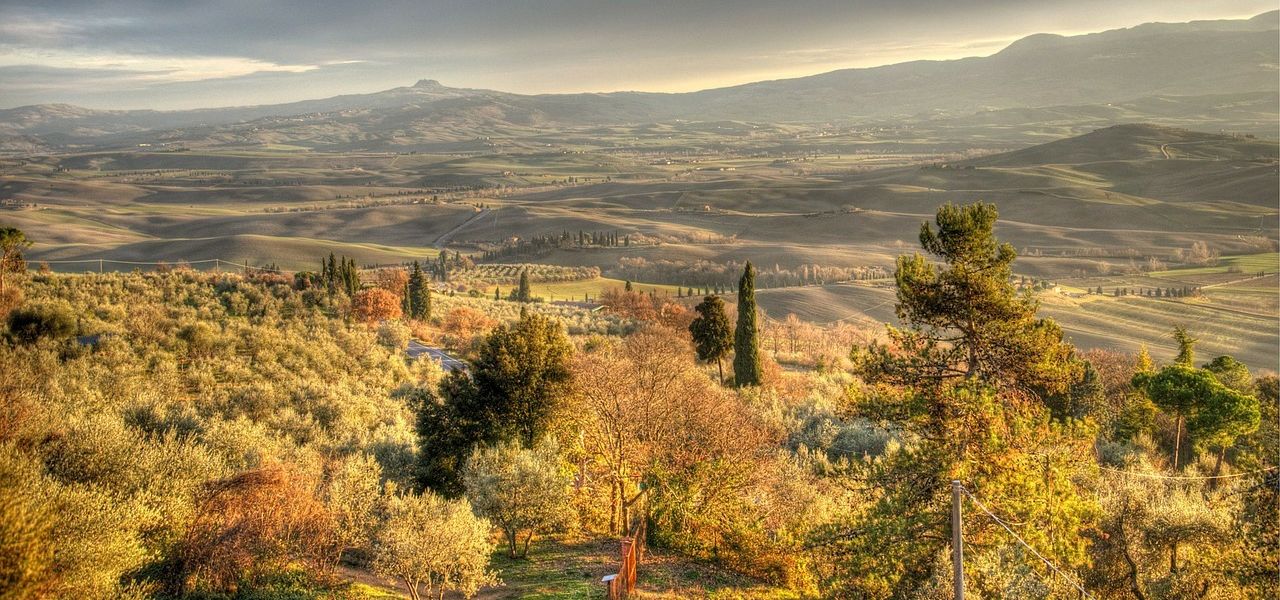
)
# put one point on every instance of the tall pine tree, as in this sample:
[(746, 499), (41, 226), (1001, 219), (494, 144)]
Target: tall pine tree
[(747, 368)]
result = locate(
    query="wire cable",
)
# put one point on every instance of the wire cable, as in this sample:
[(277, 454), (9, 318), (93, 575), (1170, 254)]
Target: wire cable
[(1187, 477), (159, 263), (1024, 543)]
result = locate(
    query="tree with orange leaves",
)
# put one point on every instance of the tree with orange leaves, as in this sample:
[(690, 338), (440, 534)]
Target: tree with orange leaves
[(375, 304)]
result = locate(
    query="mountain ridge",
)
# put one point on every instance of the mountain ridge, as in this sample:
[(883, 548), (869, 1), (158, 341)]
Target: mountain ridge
[(1040, 70)]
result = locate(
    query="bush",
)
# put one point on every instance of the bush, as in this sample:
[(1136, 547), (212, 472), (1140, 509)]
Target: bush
[(252, 524), (521, 490), (375, 304), (29, 324), (394, 335), (26, 547), (432, 542)]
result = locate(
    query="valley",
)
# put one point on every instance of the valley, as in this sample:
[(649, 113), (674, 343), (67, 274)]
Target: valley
[(999, 319), (1114, 205)]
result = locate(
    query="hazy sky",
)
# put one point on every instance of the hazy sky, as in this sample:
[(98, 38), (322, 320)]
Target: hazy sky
[(185, 54)]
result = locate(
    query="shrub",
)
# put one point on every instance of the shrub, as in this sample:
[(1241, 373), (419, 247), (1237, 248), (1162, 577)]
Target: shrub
[(26, 547), (427, 541), (251, 524), (29, 324), (394, 334), (375, 304), (521, 490)]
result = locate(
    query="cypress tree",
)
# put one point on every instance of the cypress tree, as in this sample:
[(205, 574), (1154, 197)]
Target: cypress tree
[(524, 294), (747, 368), (350, 276), (331, 275), (419, 294)]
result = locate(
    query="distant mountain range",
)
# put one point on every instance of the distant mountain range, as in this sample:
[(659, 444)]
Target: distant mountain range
[(1158, 60)]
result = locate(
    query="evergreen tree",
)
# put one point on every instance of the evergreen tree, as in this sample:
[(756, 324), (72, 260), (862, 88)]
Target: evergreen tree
[(747, 368), (522, 377), (627, 286), (1212, 412), (1082, 399), (965, 377), (331, 275), (712, 336), (350, 276), (1186, 347), (419, 294), (1231, 373), (523, 293), (965, 320), (1143, 362)]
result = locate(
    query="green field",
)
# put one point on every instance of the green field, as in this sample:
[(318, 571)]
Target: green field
[(1247, 265)]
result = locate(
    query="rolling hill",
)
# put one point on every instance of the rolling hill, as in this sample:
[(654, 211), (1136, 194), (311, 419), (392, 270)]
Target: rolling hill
[(1232, 61)]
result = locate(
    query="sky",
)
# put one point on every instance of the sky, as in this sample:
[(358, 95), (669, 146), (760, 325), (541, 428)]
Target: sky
[(178, 54)]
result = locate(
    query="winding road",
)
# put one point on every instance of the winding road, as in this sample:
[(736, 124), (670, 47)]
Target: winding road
[(417, 350)]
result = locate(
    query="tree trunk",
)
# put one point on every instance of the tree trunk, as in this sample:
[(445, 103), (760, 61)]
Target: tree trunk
[(525, 552), (720, 369), (1217, 467), (1177, 442), (1134, 585), (614, 502), (511, 543), (1177, 453), (413, 588)]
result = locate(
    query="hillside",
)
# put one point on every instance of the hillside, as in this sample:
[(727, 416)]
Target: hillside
[(1136, 142), (1093, 72), (1095, 205)]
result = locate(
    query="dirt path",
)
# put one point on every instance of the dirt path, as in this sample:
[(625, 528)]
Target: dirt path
[(367, 577), (444, 238), (1164, 148), (1233, 282)]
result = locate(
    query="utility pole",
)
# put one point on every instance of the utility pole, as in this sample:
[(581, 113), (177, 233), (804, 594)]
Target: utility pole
[(957, 541)]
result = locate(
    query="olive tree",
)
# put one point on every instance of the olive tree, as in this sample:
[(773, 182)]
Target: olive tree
[(523, 491), (433, 544), (353, 495)]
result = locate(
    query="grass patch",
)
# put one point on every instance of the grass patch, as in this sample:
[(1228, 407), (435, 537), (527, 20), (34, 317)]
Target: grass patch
[(578, 290), (1245, 264)]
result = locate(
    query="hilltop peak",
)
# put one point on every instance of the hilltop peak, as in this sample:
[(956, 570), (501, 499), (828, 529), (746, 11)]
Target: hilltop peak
[(1034, 42), (1269, 18), (428, 83)]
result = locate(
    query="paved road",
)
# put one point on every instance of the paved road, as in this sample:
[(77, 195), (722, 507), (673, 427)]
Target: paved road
[(417, 350)]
